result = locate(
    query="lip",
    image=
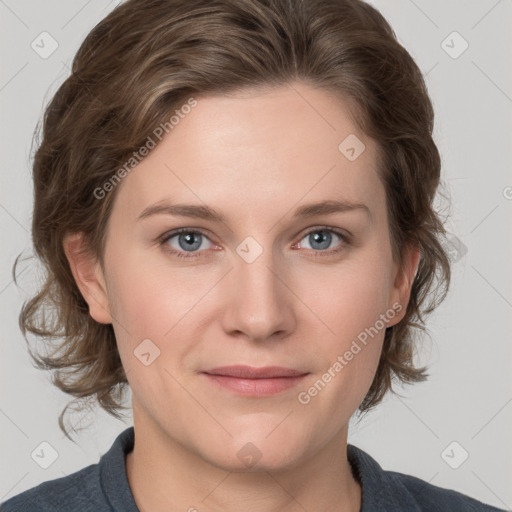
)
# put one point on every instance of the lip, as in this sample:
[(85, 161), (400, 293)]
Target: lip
[(251, 372), (253, 381)]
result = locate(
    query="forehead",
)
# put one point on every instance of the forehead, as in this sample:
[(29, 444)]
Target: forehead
[(256, 149)]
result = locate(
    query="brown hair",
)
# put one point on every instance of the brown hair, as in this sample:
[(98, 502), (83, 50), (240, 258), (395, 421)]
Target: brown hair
[(144, 60)]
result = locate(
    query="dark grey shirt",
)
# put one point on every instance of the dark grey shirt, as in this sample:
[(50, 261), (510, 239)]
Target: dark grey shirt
[(104, 487)]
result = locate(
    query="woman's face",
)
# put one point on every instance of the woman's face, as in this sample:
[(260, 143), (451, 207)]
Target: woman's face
[(265, 286)]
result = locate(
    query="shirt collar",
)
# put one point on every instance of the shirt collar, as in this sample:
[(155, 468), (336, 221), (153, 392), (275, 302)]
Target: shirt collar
[(113, 478), (380, 490)]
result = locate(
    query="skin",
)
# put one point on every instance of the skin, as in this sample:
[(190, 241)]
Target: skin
[(255, 157)]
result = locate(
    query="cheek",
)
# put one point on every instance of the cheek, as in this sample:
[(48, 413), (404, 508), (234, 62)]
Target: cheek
[(352, 305), (147, 296), (354, 298), (135, 300), (152, 300), (150, 297), (349, 354)]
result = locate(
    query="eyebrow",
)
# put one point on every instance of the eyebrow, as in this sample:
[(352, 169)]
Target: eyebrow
[(207, 213)]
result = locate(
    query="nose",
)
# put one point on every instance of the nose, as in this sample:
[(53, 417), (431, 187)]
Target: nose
[(260, 306)]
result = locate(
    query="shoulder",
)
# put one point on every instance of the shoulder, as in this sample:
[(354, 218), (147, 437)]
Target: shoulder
[(100, 487), (77, 491), (433, 498), (391, 491)]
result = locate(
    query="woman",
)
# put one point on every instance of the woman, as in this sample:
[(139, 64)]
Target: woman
[(233, 200)]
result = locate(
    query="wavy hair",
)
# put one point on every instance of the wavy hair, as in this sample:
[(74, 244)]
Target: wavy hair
[(144, 60)]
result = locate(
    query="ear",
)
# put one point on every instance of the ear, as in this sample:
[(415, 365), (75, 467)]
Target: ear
[(89, 277), (403, 279)]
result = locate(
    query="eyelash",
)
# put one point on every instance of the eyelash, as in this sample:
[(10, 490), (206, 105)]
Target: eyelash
[(345, 240)]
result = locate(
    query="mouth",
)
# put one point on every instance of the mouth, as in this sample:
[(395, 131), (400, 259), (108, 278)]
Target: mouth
[(252, 381)]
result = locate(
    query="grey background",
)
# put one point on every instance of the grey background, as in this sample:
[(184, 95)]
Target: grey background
[(468, 398)]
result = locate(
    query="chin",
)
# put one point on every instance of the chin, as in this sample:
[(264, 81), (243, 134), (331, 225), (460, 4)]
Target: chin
[(257, 453)]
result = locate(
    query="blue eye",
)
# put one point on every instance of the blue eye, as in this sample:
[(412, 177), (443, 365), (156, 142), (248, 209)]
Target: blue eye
[(321, 239), (188, 240), (190, 243)]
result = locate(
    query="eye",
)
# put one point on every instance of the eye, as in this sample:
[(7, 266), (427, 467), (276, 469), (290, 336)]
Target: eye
[(183, 241), (320, 239), (190, 243)]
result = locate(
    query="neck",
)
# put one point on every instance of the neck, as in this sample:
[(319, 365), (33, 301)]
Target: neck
[(165, 475)]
